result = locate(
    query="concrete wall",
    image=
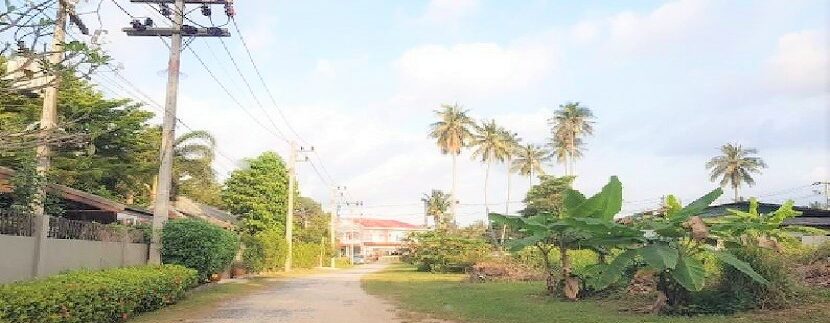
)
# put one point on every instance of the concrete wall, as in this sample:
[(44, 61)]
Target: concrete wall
[(63, 254)]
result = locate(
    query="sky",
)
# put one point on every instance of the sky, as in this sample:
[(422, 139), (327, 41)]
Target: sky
[(668, 81)]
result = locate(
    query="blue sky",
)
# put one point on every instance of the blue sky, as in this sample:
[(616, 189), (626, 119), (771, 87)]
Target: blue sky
[(669, 82)]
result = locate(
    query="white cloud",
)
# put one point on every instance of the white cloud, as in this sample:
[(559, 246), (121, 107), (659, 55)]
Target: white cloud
[(585, 31), (801, 64), (475, 68), (632, 32), (448, 11)]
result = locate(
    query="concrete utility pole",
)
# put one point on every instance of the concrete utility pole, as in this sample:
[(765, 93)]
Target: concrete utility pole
[(336, 193), (48, 123), (826, 193), (165, 176), (289, 215)]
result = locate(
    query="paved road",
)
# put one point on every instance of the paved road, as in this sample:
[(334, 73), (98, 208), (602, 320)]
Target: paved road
[(328, 297)]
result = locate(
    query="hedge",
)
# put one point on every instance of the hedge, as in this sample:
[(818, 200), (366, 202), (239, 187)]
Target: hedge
[(112, 295), (199, 245), (265, 251)]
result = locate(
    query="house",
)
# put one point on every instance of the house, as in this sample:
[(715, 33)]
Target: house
[(80, 205), (373, 237), (185, 207)]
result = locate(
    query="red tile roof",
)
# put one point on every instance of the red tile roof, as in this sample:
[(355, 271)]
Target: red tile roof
[(381, 223)]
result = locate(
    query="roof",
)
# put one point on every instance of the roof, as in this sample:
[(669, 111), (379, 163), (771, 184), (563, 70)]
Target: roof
[(383, 223), (206, 212), (72, 194)]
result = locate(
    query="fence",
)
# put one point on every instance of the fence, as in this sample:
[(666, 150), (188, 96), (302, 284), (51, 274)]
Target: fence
[(66, 245)]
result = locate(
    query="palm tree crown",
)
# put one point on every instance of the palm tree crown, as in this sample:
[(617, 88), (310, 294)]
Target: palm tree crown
[(529, 160), (734, 166), (437, 203), (193, 154), (452, 131), (570, 123), (490, 143)]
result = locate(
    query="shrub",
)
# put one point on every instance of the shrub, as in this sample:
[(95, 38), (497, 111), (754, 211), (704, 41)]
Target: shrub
[(781, 291), (342, 262), (111, 295), (504, 269), (580, 259), (199, 245), (265, 251), (441, 251)]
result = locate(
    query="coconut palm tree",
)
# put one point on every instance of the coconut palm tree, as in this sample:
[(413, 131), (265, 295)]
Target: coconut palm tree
[(511, 139), (569, 124), (452, 133), (489, 145), (193, 154), (734, 166), (529, 159), (436, 205)]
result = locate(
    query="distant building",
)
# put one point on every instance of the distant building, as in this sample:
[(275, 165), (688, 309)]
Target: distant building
[(373, 237)]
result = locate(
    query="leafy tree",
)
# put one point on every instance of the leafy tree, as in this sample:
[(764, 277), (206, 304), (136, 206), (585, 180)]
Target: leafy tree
[(674, 245), (490, 145), (310, 220), (438, 204), (570, 123), (529, 159), (735, 167), (565, 219), (452, 133), (258, 193), (113, 151), (193, 153)]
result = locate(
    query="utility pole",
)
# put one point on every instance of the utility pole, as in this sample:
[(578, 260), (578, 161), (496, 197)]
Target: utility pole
[(145, 28), (336, 194), (48, 122), (289, 216), (826, 193)]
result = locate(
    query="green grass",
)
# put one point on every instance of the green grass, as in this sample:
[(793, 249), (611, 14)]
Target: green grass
[(447, 296)]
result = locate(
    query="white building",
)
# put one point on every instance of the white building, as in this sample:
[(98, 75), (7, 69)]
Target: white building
[(373, 238)]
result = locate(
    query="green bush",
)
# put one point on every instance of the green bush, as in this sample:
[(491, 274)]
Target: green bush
[(781, 291), (112, 295), (265, 251), (342, 262), (441, 251), (580, 259), (199, 245)]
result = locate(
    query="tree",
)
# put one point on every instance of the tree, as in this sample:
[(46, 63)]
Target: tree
[(560, 217), (735, 167), (113, 151), (489, 144), (311, 223), (452, 133), (529, 159), (512, 142), (569, 124), (193, 175), (257, 193), (674, 244), (437, 204)]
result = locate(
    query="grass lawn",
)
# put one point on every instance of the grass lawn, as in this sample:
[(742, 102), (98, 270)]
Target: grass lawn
[(447, 296), (204, 300)]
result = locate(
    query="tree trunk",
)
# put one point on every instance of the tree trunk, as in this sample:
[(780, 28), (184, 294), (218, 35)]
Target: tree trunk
[(735, 188), (550, 277), (486, 180), (454, 201), (570, 285), (507, 203)]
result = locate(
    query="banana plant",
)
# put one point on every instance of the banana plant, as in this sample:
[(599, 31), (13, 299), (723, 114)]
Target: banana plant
[(674, 244), (580, 223), (752, 228)]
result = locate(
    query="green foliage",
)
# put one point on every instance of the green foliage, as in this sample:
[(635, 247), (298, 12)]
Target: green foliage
[(265, 252), (193, 175), (310, 222), (112, 295), (199, 245), (116, 155), (443, 251), (547, 196), (752, 227), (747, 293), (438, 204), (258, 194)]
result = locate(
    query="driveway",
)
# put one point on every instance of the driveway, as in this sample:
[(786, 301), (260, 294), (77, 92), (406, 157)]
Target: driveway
[(329, 297)]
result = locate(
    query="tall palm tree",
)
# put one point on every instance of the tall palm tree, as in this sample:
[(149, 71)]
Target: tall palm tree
[(489, 146), (512, 140), (734, 166), (436, 205), (452, 133), (569, 124), (193, 154), (529, 161)]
